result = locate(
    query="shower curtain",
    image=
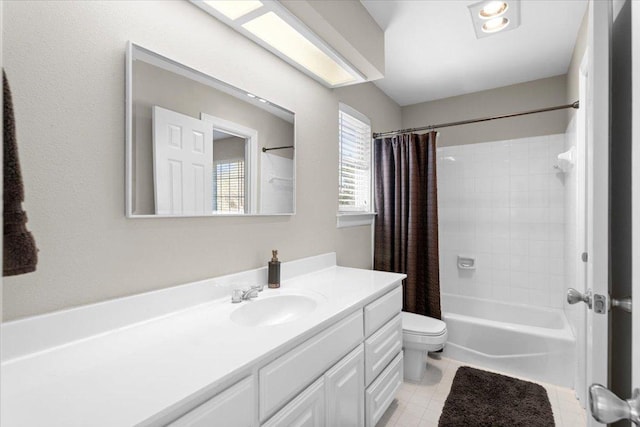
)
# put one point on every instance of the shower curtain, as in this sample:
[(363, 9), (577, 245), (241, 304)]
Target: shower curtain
[(406, 228)]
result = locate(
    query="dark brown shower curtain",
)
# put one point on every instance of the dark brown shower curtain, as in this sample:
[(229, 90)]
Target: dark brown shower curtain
[(406, 231)]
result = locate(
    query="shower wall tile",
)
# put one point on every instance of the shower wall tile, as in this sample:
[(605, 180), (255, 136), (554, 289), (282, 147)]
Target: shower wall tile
[(503, 202)]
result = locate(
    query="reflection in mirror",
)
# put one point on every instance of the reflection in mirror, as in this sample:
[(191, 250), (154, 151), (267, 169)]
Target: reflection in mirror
[(228, 173), (193, 144)]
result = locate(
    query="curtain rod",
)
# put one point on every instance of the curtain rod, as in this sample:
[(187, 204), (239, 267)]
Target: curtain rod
[(264, 149), (575, 105)]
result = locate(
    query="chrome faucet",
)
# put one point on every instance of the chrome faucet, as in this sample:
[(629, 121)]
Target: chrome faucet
[(239, 295)]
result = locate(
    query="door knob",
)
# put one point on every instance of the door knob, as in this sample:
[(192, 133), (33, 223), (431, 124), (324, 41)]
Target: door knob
[(623, 304), (608, 408), (574, 297)]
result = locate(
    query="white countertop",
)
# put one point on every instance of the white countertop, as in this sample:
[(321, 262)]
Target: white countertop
[(126, 375)]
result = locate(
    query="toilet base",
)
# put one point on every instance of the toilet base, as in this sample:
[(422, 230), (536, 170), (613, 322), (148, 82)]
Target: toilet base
[(414, 364)]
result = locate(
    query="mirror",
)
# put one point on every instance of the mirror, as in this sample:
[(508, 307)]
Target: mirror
[(197, 146)]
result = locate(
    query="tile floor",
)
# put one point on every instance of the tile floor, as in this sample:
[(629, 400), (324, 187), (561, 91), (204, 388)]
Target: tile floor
[(420, 404)]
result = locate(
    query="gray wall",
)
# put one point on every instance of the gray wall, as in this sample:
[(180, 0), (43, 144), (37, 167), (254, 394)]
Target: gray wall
[(573, 74), (509, 99), (230, 148), (65, 62)]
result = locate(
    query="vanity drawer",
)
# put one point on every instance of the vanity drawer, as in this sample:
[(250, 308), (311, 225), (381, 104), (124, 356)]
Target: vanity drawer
[(380, 394), (381, 310), (381, 347), (283, 378), (234, 407)]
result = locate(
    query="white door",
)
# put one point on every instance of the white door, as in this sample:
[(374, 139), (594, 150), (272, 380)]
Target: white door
[(182, 163), (597, 110), (605, 404)]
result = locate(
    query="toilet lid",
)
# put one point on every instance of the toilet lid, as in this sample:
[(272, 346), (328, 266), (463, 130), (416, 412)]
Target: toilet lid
[(417, 324)]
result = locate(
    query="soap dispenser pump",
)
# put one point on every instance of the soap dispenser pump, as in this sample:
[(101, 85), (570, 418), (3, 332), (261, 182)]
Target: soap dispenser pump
[(274, 270)]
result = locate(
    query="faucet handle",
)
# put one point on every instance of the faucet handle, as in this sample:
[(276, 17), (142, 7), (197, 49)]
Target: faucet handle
[(236, 295), (259, 288)]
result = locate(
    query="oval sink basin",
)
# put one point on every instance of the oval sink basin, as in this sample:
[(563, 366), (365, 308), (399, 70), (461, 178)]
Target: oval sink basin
[(274, 310)]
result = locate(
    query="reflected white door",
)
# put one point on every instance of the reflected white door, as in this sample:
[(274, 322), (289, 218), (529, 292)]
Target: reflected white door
[(182, 163), (597, 111)]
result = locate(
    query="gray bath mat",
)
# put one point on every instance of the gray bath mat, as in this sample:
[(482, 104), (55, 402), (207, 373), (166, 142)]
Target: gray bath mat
[(484, 399)]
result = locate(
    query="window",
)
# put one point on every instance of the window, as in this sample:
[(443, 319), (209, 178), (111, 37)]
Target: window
[(354, 194), (228, 186)]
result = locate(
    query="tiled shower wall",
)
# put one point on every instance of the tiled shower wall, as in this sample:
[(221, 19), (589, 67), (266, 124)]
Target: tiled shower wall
[(502, 203)]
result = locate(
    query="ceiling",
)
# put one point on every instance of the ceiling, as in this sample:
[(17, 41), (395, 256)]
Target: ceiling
[(432, 51)]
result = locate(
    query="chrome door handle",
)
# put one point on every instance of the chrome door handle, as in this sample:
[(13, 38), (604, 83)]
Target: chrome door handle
[(622, 303), (608, 408), (574, 297)]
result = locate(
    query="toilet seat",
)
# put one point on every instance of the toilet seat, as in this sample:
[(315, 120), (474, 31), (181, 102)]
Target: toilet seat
[(415, 324)]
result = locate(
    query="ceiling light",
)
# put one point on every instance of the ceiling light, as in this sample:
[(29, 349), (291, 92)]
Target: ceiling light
[(283, 37), (234, 9), (250, 95), (275, 28), (493, 9), (495, 24), (262, 100), (493, 17)]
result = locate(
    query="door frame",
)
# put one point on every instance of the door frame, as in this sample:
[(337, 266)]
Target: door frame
[(581, 385), (598, 119), (250, 135), (635, 193)]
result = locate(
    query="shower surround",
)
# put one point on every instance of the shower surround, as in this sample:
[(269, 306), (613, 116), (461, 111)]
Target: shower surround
[(502, 202)]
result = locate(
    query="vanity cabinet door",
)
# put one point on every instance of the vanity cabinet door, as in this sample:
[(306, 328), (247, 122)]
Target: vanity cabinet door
[(290, 373), (306, 410), (234, 407), (344, 390)]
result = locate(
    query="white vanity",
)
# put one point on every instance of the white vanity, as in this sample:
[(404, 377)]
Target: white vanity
[(323, 350)]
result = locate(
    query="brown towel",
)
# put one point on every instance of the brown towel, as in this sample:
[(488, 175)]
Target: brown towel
[(20, 251)]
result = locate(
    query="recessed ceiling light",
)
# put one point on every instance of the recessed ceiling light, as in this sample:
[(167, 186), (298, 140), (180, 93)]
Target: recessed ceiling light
[(493, 9), (495, 25), (262, 100), (250, 95), (494, 17), (234, 9)]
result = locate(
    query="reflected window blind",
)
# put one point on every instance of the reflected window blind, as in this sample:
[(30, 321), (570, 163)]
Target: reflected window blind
[(355, 164), (228, 187)]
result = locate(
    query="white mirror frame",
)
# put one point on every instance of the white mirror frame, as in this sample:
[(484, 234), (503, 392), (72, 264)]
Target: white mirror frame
[(251, 147)]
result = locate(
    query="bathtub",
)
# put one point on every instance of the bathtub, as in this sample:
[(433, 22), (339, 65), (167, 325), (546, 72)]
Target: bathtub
[(521, 340)]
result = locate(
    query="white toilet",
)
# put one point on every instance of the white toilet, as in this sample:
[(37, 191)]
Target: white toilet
[(420, 334)]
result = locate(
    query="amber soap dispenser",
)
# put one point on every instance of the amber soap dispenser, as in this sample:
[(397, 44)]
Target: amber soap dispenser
[(274, 270)]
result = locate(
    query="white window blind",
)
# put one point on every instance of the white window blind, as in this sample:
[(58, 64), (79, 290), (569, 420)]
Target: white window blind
[(355, 161), (228, 186)]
